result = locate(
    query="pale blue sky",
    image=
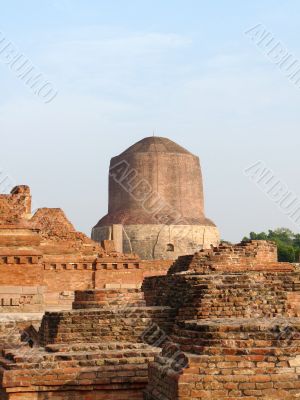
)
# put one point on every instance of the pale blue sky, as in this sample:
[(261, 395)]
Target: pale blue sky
[(125, 68)]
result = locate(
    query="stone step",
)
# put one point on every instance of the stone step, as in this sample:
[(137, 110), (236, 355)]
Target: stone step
[(39, 358), (52, 348)]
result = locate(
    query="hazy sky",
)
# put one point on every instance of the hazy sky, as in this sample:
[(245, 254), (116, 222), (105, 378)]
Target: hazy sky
[(184, 69)]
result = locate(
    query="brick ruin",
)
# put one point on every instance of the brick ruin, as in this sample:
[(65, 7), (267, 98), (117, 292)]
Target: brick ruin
[(156, 202), (43, 259), (222, 323)]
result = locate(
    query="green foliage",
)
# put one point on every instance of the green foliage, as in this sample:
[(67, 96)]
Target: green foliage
[(226, 242), (288, 242)]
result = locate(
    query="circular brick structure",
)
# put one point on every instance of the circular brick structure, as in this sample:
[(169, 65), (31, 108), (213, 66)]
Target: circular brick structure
[(107, 298), (156, 205)]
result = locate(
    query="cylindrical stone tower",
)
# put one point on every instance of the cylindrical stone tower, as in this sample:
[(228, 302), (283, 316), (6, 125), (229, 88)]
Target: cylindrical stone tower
[(156, 206)]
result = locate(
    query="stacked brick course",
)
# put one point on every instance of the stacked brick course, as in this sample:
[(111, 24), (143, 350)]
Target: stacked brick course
[(254, 255), (237, 326), (223, 323), (99, 348), (43, 259), (88, 353), (226, 333)]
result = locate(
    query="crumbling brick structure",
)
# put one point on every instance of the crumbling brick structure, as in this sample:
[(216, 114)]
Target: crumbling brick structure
[(99, 350), (222, 324), (237, 330), (43, 259)]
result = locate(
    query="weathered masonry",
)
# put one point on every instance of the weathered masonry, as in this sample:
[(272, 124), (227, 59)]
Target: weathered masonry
[(156, 202)]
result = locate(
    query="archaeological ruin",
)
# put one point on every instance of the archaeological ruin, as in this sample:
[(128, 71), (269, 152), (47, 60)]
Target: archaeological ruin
[(156, 202), (119, 319)]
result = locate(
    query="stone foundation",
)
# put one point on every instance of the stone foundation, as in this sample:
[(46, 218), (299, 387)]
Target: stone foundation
[(163, 241)]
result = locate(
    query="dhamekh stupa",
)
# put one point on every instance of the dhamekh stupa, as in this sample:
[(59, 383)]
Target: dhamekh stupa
[(156, 202)]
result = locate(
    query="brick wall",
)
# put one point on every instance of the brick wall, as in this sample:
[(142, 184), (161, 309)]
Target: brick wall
[(250, 255), (15, 205), (117, 297), (237, 326), (109, 325), (53, 284), (95, 394), (88, 353), (21, 275)]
